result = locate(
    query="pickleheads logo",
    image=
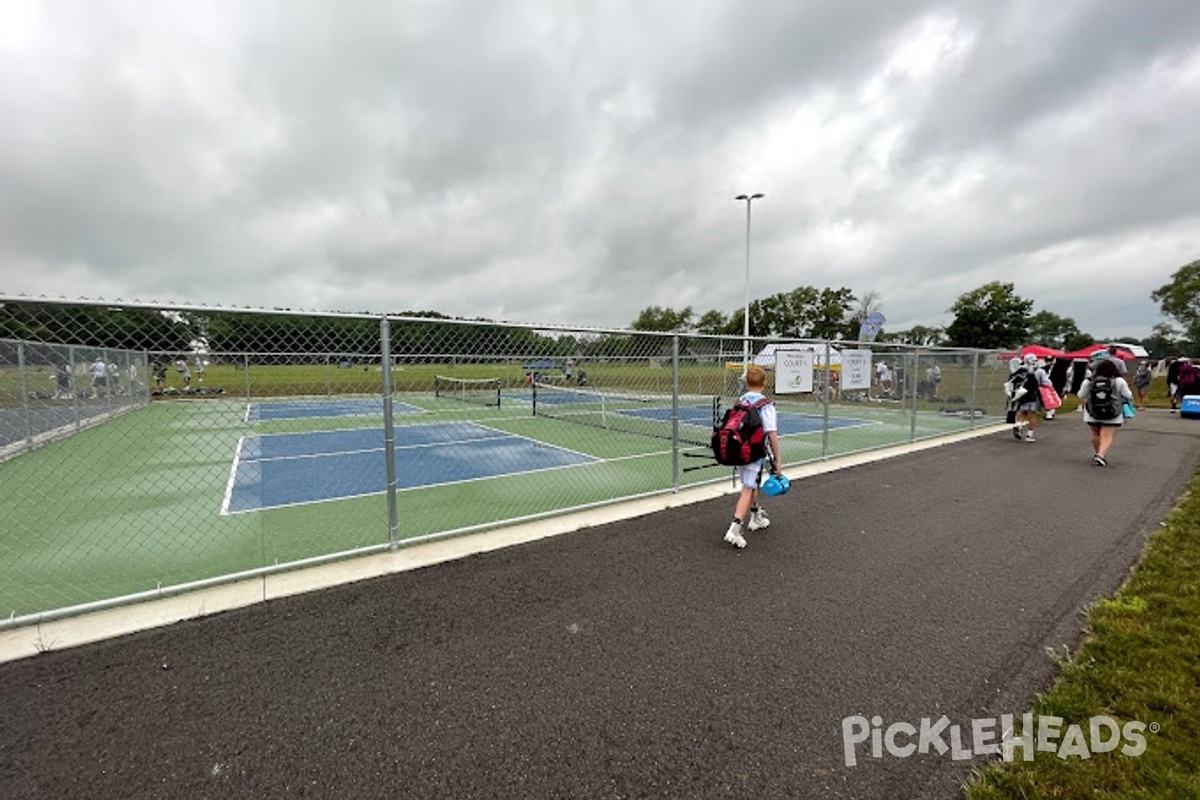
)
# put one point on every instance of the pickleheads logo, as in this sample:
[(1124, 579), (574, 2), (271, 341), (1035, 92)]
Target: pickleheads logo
[(993, 736)]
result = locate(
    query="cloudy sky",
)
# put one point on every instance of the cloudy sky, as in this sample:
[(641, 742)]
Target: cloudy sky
[(575, 161)]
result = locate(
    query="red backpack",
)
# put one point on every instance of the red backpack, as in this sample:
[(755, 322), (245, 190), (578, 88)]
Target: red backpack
[(740, 438)]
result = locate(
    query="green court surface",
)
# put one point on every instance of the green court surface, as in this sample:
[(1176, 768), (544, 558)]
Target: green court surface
[(139, 502)]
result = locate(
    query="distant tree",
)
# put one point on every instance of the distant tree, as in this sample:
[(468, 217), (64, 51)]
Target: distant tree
[(992, 316), (1049, 329), (919, 335), (1164, 341), (803, 313), (1180, 300), (654, 318), (99, 326), (1077, 341), (713, 322), (864, 307)]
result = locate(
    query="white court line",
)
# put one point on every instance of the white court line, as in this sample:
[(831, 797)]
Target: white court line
[(237, 457)]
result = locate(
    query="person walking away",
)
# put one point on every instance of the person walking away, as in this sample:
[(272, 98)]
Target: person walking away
[(1141, 383), (1114, 355), (1104, 393), (1030, 405), (1057, 374), (1173, 381), (748, 509)]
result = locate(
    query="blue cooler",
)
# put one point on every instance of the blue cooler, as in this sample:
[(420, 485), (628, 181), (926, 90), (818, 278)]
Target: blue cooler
[(1190, 407)]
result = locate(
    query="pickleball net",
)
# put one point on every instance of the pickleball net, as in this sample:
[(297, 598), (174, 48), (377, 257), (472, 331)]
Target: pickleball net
[(652, 415), (479, 391)]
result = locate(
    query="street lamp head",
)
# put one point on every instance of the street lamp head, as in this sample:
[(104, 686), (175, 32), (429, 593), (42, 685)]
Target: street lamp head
[(748, 197)]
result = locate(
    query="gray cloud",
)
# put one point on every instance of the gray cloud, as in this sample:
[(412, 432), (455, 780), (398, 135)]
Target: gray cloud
[(575, 162)]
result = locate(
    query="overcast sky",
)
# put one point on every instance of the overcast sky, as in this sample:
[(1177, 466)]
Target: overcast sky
[(572, 161)]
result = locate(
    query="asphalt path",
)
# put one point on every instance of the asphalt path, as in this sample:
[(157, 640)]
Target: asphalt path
[(643, 658)]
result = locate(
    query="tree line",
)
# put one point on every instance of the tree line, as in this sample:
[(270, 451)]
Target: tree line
[(993, 316)]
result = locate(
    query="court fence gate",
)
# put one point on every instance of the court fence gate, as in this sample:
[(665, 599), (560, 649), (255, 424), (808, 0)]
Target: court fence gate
[(151, 449)]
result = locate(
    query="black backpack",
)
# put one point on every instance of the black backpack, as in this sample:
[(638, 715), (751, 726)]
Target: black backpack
[(1103, 402), (740, 438), (1018, 380)]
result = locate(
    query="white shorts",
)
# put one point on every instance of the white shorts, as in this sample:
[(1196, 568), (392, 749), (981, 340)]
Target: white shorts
[(748, 474)]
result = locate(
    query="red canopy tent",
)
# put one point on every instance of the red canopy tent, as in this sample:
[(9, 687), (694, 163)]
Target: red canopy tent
[(1042, 352), (1085, 353)]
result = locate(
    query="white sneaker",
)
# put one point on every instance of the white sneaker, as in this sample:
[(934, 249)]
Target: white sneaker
[(734, 535), (1029, 436), (758, 520)]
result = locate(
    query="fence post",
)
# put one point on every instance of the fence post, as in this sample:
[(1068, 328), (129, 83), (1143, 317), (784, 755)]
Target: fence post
[(974, 385), (675, 412), (910, 385), (828, 392), (389, 432), (74, 385), (25, 412)]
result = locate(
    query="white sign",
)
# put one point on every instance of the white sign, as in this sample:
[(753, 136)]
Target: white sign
[(856, 369), (793, 371)]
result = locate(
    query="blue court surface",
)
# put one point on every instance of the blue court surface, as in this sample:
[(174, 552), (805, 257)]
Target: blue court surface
[(277, 470), (309, 409)]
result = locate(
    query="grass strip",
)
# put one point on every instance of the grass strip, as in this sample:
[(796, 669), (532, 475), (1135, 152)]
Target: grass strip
[(1140, 660)]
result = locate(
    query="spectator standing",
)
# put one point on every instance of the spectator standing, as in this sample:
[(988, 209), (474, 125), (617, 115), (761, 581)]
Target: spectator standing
[(1141, 383), (1104, 393), (62, 381), (885, 379), (99, 372)]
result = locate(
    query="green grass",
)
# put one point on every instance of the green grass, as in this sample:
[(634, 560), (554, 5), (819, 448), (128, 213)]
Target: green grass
[(1140, 660)]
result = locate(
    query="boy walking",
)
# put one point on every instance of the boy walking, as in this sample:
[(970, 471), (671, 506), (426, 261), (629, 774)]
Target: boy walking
[(748, 510)]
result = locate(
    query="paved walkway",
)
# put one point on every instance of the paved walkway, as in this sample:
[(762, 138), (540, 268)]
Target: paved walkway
[(642, 658)]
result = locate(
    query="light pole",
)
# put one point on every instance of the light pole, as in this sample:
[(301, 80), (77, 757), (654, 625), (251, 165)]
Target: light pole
[(749, 198)]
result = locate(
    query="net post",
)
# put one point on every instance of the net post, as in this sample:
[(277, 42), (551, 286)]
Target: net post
[(389, 432)]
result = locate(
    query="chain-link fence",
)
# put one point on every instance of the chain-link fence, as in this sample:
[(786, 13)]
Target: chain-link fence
[(151, 449), (48, 391)]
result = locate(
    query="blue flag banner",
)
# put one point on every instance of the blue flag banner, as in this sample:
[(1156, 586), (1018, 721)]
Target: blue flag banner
[(871, 326)]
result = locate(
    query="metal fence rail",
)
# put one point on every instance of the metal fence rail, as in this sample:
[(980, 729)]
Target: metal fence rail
[(220, 443)]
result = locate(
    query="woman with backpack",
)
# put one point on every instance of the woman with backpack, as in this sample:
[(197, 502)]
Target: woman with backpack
[(1104, 394)]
